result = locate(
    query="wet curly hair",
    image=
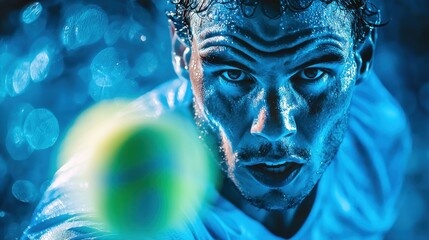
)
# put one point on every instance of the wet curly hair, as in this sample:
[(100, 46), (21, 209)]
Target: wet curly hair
[(366, 15)]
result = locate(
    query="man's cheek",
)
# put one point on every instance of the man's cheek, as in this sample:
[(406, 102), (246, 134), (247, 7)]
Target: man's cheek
[(227, 115), (197, 90), (323, 111), (334, 100), (217, 106)]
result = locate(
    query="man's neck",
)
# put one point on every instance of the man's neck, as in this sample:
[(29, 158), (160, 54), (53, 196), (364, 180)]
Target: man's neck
[(283, 223)]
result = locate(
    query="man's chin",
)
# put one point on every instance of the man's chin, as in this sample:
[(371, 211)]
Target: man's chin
[(274, 200)]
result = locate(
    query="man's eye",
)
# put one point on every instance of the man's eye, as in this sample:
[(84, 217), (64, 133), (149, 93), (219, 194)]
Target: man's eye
[(234, 75), (311, 74)]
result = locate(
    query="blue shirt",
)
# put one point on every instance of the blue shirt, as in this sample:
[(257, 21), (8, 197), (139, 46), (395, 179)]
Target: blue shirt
[(356, 197)]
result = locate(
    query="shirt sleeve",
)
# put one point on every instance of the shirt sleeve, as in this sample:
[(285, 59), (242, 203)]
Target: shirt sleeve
[(62, 214), (64, 211)]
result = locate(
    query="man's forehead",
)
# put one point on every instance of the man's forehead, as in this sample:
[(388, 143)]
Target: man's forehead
[(319, 17)]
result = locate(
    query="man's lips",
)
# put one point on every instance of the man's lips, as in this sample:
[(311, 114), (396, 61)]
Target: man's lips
[(275, 173), (274, 161)]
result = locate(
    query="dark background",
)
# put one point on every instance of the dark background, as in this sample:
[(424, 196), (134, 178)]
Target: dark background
[(140, 37)]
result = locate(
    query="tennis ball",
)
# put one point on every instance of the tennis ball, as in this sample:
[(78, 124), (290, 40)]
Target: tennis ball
[(145, 175)]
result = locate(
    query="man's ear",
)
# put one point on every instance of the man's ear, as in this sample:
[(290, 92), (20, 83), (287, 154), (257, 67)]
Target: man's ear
[(364, 55), (181, 53)]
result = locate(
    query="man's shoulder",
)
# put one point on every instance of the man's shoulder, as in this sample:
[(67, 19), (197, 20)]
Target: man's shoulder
[(366, 177), (171, 95), (378, 113), (379, 131)]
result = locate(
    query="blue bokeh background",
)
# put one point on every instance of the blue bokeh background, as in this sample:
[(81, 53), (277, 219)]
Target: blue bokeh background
[(58, 57)]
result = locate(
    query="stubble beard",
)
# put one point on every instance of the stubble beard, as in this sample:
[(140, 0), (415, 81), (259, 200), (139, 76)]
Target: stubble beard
[(273, 200)]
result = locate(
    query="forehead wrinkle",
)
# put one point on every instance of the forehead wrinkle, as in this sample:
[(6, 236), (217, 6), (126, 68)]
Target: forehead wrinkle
[(266, 33), (314, 47), (288, 41), (248, 37), (212, 44), (226, 55), (247, 47)]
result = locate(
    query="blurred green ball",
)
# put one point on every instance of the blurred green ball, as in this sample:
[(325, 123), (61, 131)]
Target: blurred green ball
[(145, 175)]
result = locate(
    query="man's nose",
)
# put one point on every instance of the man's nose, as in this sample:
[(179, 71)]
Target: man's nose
[(273, 121)]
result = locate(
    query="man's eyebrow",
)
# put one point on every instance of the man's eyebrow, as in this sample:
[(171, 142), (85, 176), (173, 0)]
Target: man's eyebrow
[(331, 57), (224, 59)]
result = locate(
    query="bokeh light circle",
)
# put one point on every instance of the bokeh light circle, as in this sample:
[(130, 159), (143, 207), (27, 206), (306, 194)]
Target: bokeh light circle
[(41, 128), (17, 145), (24, 191), (31, 13)]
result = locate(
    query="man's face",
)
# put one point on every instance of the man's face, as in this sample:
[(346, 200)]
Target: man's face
[(276, 94)]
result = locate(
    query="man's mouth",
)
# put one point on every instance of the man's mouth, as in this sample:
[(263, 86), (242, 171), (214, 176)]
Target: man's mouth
[(275, 174)]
